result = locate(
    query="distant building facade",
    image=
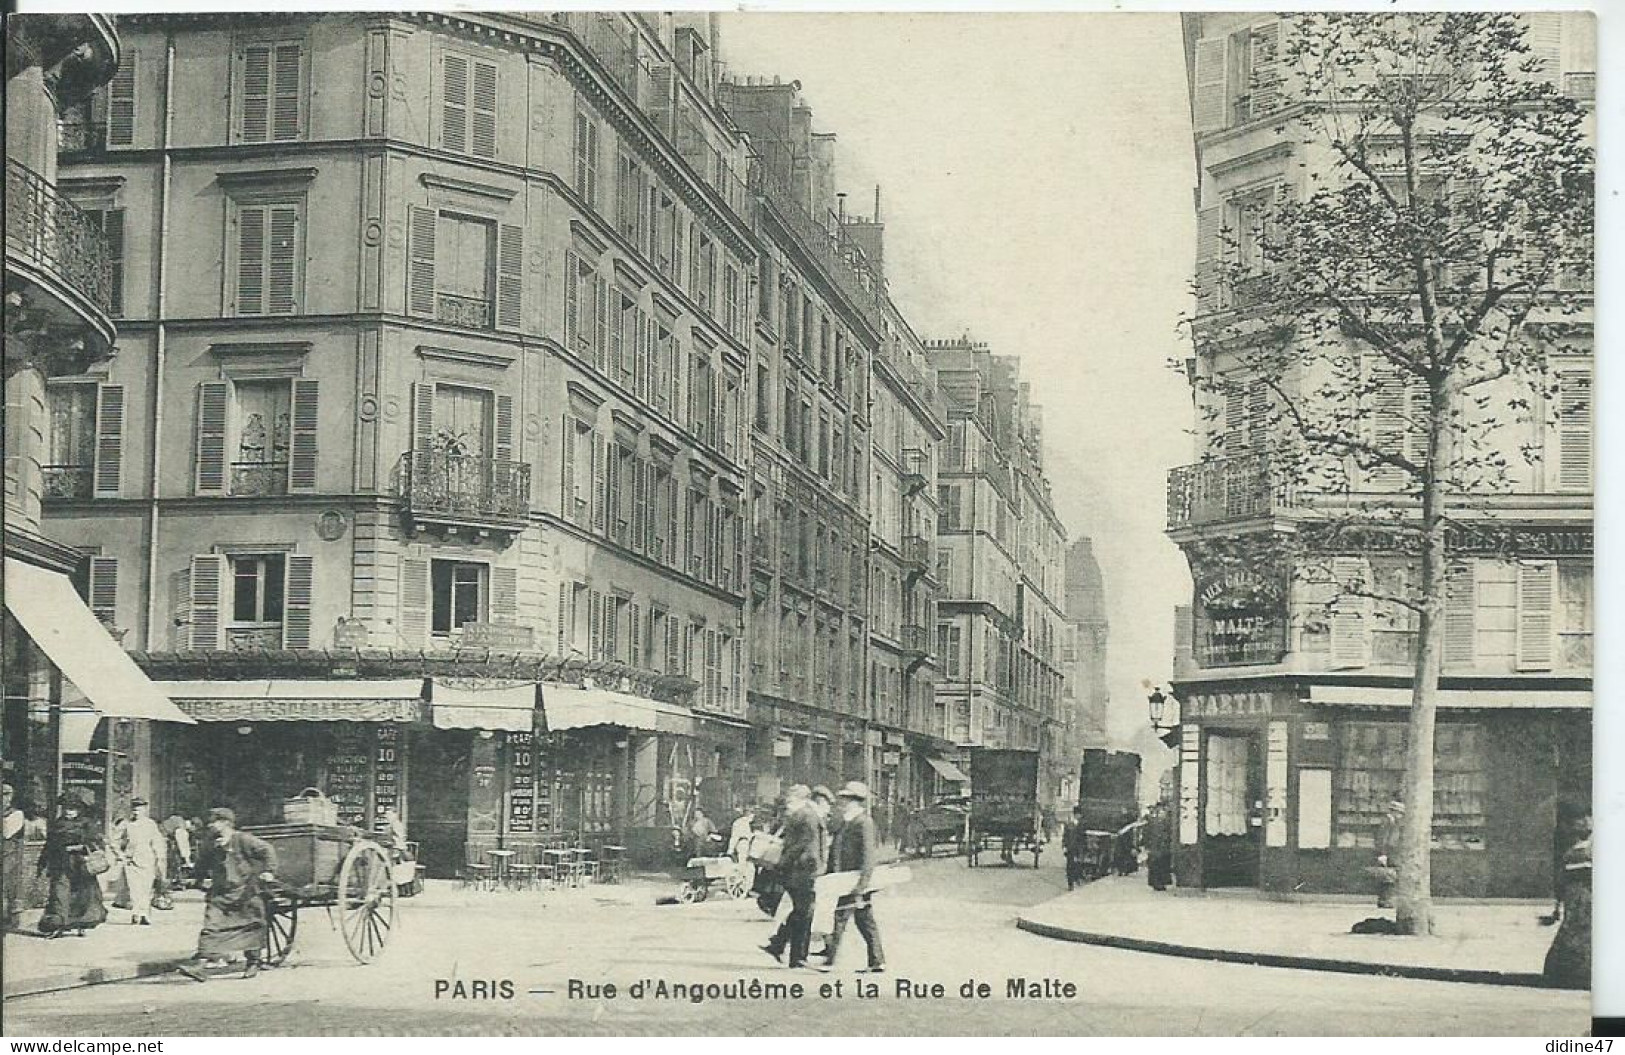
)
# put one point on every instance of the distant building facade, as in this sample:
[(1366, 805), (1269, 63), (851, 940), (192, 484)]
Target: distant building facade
[(1084, 699)]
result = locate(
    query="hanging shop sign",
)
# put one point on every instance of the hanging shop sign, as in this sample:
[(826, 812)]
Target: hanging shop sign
[(1241, 616)]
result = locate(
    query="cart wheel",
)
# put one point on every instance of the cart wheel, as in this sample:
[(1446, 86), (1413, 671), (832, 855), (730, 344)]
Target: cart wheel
[(366, 901), (738, 889), (281, 924)]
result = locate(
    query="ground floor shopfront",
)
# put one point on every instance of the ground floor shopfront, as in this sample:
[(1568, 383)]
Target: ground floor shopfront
[(1283, 786)]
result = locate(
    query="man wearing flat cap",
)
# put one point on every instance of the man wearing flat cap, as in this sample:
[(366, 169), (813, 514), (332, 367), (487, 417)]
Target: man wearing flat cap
[(238, 866), (853, 850), (801, 862)]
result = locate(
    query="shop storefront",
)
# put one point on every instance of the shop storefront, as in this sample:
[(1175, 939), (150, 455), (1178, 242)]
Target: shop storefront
[(1284, 788)]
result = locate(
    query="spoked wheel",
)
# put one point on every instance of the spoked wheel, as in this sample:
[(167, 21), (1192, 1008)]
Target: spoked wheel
[(692, 892), (738, 887), (281, 924), (366, 901)]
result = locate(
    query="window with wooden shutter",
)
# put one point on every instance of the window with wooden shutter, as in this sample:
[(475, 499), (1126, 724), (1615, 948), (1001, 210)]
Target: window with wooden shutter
[(282, 254), (252, 235), (595, 625), (206, 580), (567, 468), (1536, 635), (213, 402), (1264, 69), (270, 92), (268, 258), (634, 635), (510, 277), (423, 400), (303, 437), (297, 601), (587, 158), (600, 485), (1209, 258), (420, 281), (1573, 446), (454, 102), (109, 455), (1399, 403), (502, 446), (1351, 612), (121, 102), (600, 333), (563, 627), (1545, 40), (414, 602), (1461, 614), (102, 595), (483, 135), (1211, 104), (504, 595), (1233, 440), (111, 224)]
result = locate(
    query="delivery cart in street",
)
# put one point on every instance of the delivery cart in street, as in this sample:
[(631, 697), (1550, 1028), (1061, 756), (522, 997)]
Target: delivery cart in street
[(1003, 804), (336, 868)]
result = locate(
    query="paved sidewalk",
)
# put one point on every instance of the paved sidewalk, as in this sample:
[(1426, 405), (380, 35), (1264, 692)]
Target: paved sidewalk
[(1495, 943), (113, 952)]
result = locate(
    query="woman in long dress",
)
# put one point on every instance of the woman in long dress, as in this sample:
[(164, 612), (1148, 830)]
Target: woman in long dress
[(73, 899), (1568, 961)]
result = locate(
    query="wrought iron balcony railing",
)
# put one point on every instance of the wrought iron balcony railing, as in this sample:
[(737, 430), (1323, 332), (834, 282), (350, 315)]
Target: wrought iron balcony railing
[(69, 481), (259, 478), (463, 311), (464, 488), (77, 137), (1225, 489), (917, 551), (48, 232)]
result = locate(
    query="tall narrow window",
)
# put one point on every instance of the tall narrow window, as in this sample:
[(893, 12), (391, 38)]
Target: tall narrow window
[(257, 601), (458, 595), (586, 158), (268, 250), (270, 91), (468, 105)]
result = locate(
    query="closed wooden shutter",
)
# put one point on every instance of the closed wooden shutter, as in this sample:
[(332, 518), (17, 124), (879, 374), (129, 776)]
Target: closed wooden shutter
[(420, 289), (503, 448), (1574, 454), (112, 226), (1351, 613), (208, 575), (252, 234), (674, 664), (1460, 614), (414, 598), (103, 592), (282, 267), (504, 595), (256, 101), (454, 103), (1209, 254), (1545, 40), (566, 618), (640, 505), (109, 440), (595, 625), (645, 354), (510, 277), (1264, 91), (1260, 414), (1234, 437), (600, 484), (567, 468), (617, 509), (483, 135), (572, 300), (1210, 107), (1536, 639), (1387, 394), (423, 416), (600, 333), (121, 99), (213, 402), (299, 584), (285, 106), (302, 438)]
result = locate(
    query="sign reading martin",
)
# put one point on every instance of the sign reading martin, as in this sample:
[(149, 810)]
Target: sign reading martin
[(1240, 616)]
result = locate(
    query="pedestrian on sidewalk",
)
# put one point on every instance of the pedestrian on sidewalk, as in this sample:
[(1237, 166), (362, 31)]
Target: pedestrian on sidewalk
[(1568, 961), (74, 856), (801, 862), (1389, 833), (1159, 847), (15, 831), (854, 851), (145, 852), (237, 866), (1073, 845)]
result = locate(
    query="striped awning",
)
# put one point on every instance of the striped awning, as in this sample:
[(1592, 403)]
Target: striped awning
[(566, 707), (289, 700)]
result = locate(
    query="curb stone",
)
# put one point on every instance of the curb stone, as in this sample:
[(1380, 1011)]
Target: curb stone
[(1271, 959)]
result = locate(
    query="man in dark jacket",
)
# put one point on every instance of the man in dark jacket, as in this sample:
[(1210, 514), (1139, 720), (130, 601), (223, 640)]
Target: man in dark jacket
[(854, 851), (801, 861)]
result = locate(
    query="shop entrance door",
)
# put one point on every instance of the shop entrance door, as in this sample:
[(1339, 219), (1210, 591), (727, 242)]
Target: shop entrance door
[(437, 799), (1232, 820)]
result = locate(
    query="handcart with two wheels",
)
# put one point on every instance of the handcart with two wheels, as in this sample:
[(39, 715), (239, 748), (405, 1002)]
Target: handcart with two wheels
[(332, 867)]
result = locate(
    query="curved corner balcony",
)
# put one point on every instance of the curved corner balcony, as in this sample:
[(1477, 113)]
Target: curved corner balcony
[(59, 275), (77, 53), (467, 494), (1226, 490)]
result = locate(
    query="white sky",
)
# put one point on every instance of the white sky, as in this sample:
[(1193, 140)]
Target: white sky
[(1036, 175)]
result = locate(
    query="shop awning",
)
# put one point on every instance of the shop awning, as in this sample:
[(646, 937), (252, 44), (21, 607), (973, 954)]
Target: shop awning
[(289, 700), (510, 708), (1498, 699), (947, 770), (567, 707), (76, 642)]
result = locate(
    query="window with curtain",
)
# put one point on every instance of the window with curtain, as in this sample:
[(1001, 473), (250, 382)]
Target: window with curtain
[(1371, 773), (1227, 785)]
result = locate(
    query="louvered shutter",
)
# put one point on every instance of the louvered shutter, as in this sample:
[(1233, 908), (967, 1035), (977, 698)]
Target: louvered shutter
[(510, 277), (1234, 438), (617, 338), (299, 583), (282, 260), (208, 575), (581, 154), (640, 502), (640, 363), (600, 334), (256, 103), (1209, 253), (1574, 455), (672, 514), (572, 300), (1388, 421), (420, 265), (1536, 640), (414, 599), (121, 103), (1260, 408), (617, 509), (1209, 104), (302, 437), (562, 630), (567, 468), (1460, 614), (213, 402), (285, 106), (423, 416), (504, 595), (600, 485), (103, 592), (483, 137), (109, 440), (252, 221), (591, 191), (454, 103), (112, 224), (673, 652), (1545, 40), (634, 635), (1350, 616), (1264, 93), (595, 625)]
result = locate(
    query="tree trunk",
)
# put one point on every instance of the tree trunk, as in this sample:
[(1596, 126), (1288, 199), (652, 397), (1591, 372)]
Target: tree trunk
[(1413, 891)]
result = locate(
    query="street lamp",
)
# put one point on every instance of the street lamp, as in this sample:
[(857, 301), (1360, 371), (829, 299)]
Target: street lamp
[(1158, 703)]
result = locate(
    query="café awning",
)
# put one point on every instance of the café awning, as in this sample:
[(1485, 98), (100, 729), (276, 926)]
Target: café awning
[(296, 700), (947, 770), (1497, 699), (75, 641), (510, 708), (567, 707)]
